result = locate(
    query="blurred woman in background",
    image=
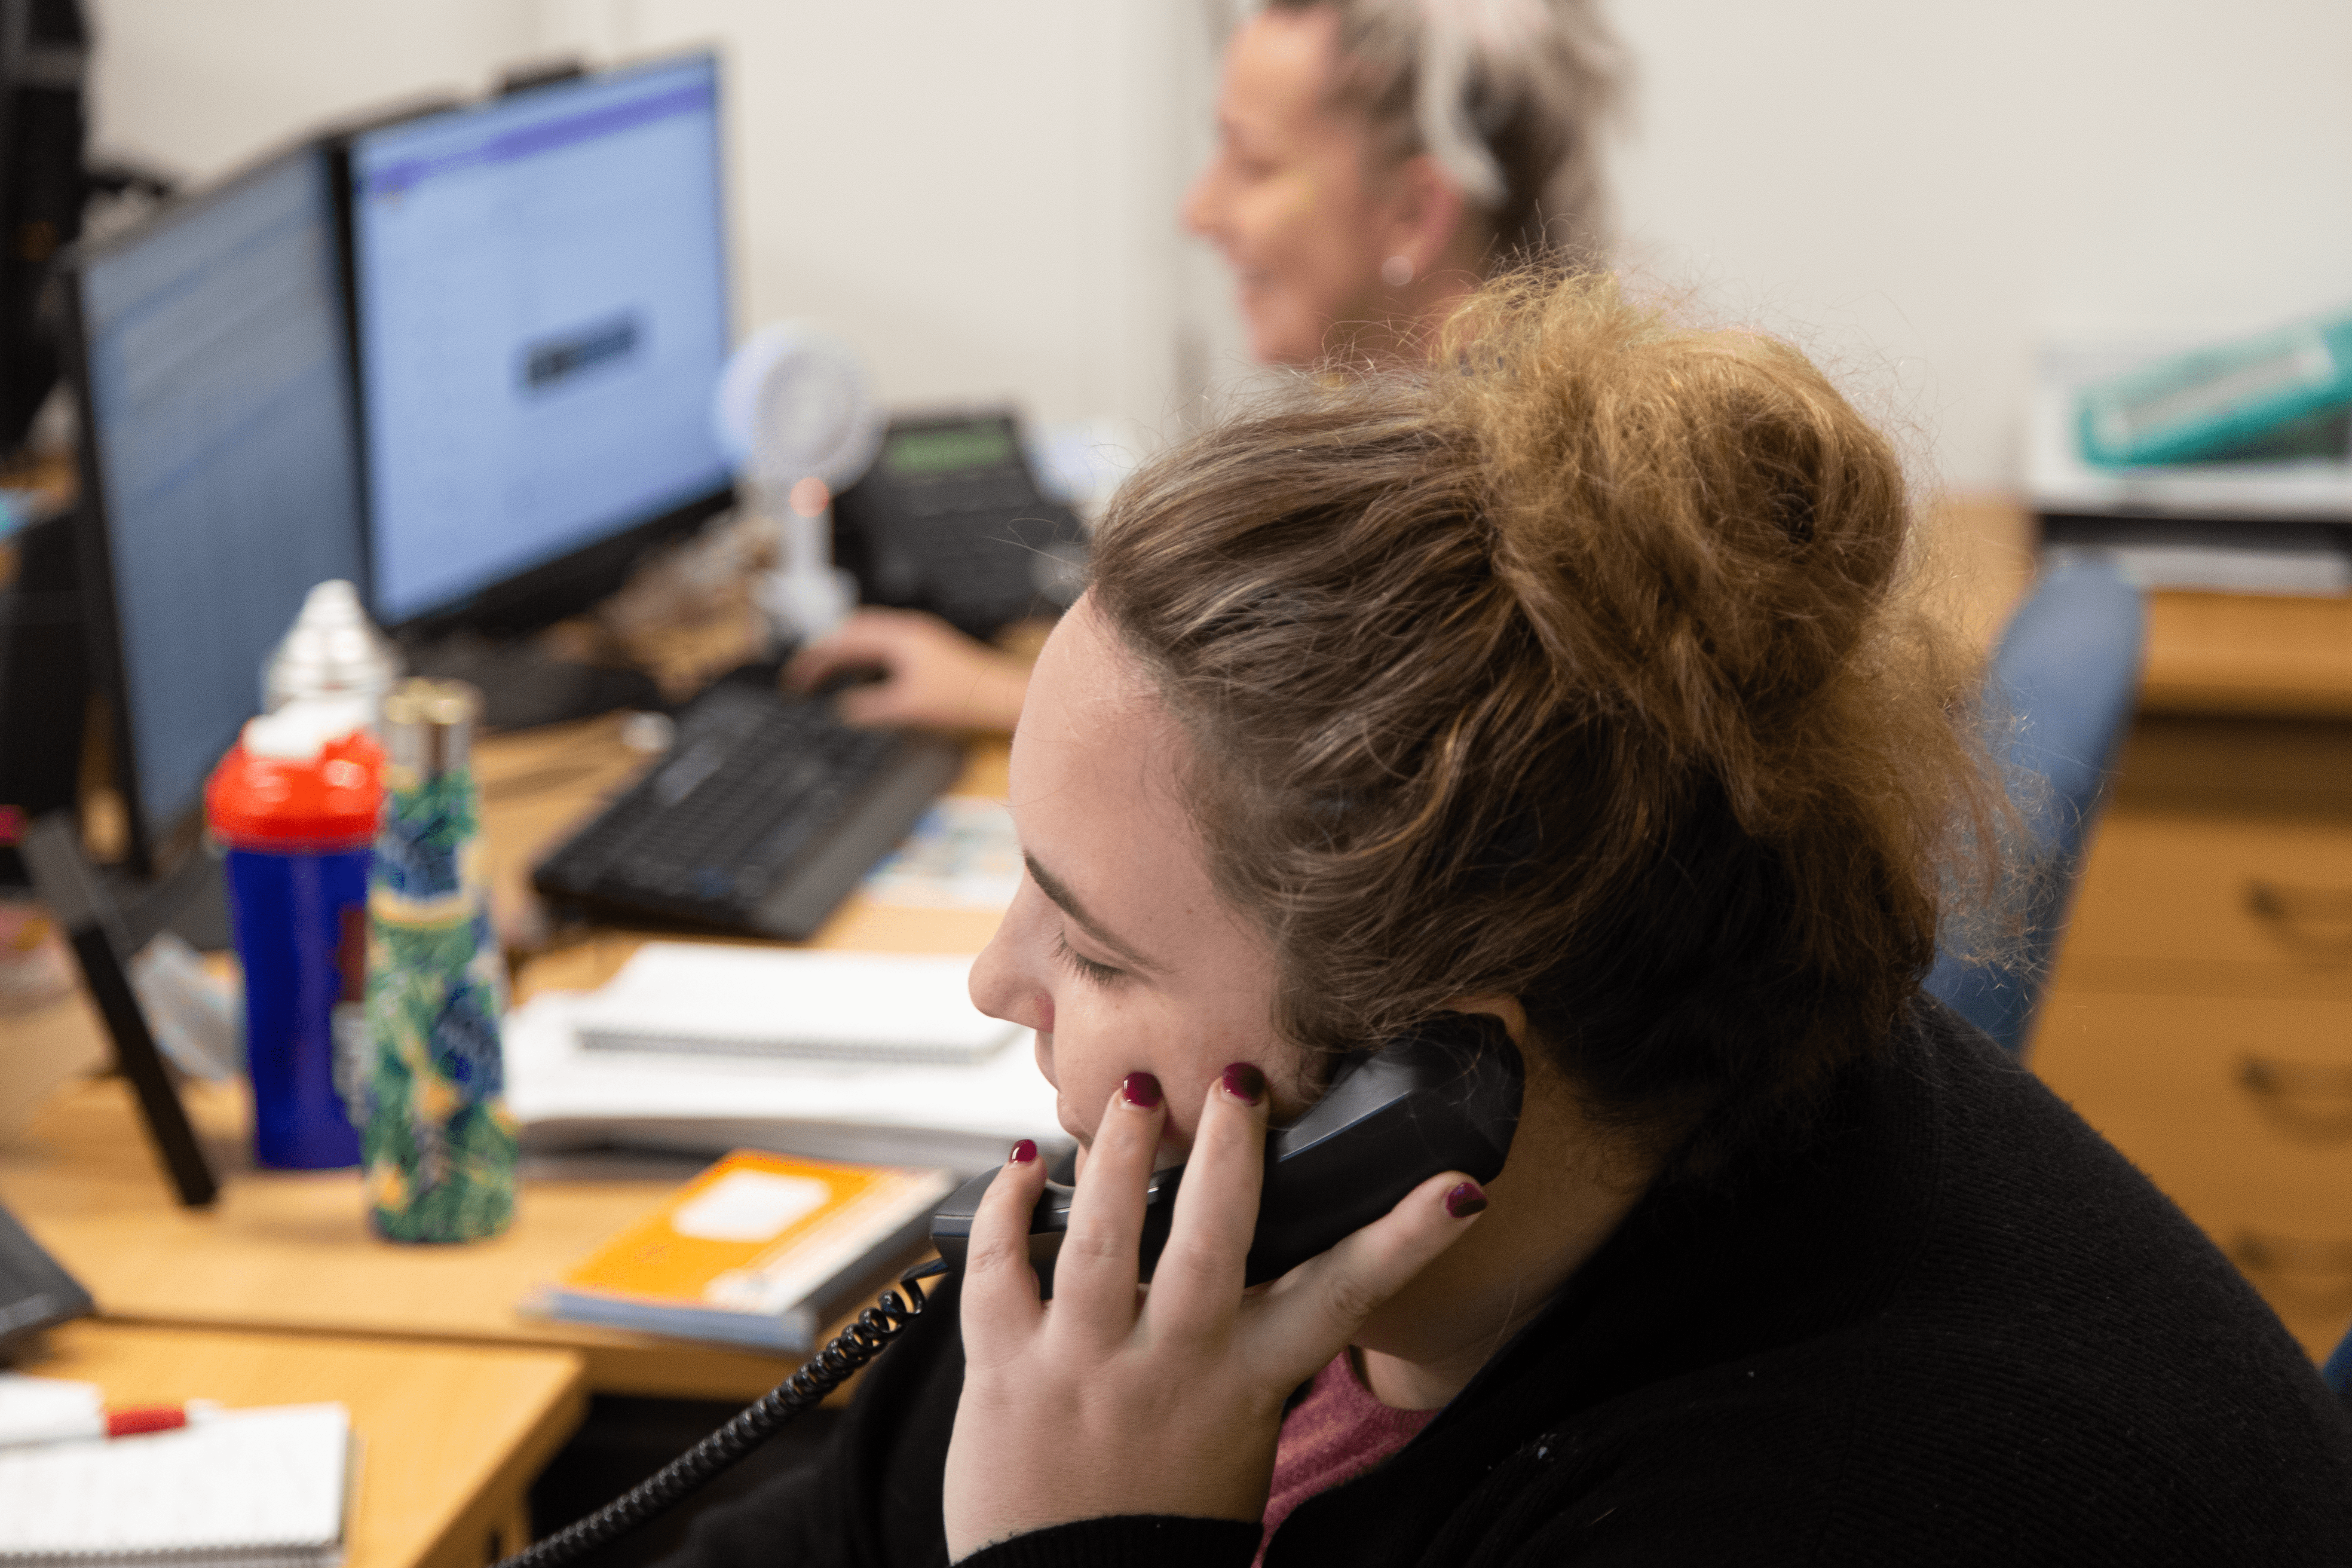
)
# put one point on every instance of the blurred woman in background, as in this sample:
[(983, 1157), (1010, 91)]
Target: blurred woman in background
[(1376, 159)]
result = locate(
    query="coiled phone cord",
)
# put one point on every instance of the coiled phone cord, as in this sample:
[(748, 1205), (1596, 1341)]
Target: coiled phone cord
[(822, 1372)]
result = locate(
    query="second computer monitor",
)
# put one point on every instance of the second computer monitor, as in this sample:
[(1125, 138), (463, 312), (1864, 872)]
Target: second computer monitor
[(219, 481), (542, 315)]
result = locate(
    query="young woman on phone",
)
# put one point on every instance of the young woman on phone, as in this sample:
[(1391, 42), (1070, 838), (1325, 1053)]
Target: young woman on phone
[(1567, 678)]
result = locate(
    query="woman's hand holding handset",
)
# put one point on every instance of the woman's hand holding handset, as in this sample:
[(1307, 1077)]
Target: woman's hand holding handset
[(1112, 1399)]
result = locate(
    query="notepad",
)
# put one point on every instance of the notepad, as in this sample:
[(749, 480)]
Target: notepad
[(760, 1250), (269, 1487)]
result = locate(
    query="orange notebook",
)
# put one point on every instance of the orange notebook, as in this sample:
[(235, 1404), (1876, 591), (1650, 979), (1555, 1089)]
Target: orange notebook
[(760, 1250)]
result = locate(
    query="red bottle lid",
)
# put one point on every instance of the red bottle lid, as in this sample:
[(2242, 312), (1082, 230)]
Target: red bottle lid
[(292, 783)]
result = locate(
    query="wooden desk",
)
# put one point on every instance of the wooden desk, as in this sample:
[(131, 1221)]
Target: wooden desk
[(450, 1438), (2233, 655), (284, 1251)]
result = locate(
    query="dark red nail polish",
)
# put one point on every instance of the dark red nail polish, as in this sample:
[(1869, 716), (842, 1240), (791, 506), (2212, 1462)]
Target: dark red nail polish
[(1465, 1200), (1245, 1083), (1023, 1152), (1141, 1090)]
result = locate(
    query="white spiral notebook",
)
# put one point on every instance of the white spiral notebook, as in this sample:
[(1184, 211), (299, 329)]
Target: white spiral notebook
[(239, 1489)]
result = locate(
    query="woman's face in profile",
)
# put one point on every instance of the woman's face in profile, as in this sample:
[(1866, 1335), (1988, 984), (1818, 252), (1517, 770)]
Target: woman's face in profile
[(1117, 949), (1287, 196)]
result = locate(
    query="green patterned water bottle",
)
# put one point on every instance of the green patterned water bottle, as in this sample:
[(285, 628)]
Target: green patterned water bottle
[(438, 1146)]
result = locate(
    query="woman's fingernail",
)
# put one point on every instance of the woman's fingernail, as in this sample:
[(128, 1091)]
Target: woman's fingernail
[(1141, 1090), (1245, 1083), (1022, 1152), (1465, 1200)]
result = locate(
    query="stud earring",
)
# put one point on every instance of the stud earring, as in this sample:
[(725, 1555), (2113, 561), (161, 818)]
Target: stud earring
[(1397, 271)]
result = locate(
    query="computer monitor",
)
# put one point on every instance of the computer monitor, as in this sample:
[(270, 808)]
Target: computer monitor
[(220, 472), (541, 304)]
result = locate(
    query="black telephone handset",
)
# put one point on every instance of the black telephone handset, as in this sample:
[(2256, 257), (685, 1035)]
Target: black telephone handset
[(1443, 1097)]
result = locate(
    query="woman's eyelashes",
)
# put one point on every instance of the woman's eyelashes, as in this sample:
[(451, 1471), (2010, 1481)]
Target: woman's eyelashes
[(1080, 964)]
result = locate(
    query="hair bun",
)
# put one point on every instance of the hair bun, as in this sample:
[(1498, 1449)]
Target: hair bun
[(1569, 666), (1698, 516)]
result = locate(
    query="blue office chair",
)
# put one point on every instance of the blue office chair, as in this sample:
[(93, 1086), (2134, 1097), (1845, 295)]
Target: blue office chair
[(2339, 1369), (2063, 681)]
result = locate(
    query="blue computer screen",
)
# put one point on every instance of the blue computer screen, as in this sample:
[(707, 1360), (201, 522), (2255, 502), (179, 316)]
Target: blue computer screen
[(221, 419), (542, 316)]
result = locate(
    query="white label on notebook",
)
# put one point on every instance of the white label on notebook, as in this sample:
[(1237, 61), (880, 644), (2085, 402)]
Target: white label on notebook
[(748, 1206)]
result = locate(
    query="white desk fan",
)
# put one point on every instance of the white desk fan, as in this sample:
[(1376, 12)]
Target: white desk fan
[(794, 414)]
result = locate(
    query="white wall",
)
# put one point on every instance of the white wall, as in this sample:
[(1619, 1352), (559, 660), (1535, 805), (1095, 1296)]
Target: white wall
[(981, 193), (198, 86), (1920, 189)]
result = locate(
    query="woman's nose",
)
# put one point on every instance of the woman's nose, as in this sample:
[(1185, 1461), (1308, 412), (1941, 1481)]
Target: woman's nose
[(1004, 987)]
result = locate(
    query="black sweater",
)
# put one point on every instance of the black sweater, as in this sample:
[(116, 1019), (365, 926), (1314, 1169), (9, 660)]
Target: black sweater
[(1955, 1328)]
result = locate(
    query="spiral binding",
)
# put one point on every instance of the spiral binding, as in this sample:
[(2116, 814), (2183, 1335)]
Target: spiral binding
[(822, 1372)]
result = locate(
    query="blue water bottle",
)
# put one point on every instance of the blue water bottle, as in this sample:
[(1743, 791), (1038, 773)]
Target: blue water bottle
[(296, 802)]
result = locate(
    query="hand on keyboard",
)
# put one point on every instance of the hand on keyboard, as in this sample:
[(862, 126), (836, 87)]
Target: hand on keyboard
[(932, 675)]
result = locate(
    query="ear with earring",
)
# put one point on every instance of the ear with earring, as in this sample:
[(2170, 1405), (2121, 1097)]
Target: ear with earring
[(1397, 271)]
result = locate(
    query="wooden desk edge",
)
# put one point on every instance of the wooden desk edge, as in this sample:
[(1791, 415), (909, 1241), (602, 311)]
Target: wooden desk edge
[(667, 1369), (2203, 697), (495, 1522)]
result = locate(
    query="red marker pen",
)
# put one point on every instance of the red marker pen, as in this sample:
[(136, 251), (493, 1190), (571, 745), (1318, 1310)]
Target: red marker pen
[(134, 1422)]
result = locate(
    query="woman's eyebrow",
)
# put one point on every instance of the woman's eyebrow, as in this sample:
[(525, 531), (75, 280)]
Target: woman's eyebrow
[(1069, 903)]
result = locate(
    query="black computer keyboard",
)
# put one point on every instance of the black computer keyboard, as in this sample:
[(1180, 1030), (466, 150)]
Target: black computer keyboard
[(762, 815)]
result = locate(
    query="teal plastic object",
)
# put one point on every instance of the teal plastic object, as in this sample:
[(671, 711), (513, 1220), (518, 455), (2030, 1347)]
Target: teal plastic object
[(2233, 401)]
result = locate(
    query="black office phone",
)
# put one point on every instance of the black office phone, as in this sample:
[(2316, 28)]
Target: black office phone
[(1445, 1097), (1442, 1097), (951, 518)]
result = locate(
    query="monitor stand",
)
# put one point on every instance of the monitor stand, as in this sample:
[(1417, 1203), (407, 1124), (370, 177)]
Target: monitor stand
[(524, 686), (103, 935)]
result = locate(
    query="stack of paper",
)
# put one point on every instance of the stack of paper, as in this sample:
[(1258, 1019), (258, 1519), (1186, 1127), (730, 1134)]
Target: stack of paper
[(699, 1048), (860, 1009)]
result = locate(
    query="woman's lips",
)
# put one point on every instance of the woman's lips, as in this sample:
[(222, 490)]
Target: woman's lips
[(1044, 1052)]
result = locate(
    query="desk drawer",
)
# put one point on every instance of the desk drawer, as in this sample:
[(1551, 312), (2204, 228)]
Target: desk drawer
[(2241, 1110), (2165, 889)]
